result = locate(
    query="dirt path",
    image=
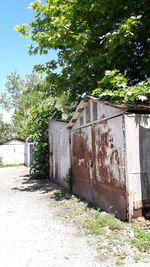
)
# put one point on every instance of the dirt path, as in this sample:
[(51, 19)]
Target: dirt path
[(30, 235)]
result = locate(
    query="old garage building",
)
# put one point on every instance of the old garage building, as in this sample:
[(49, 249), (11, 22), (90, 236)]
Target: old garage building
[(109, 156)]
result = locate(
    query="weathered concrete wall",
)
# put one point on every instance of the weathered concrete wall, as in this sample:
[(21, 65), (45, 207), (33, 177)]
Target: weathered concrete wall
[(59, 151), (98, 158), (12, 152), (138, 163)]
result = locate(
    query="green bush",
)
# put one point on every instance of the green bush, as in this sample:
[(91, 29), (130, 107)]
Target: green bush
[(36, 128)]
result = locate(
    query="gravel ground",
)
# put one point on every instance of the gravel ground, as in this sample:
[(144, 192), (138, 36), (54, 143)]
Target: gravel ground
[(40, 230), (29, 233)]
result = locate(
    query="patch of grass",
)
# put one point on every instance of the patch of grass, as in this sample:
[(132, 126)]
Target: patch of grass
[(141, 240), (118, 262), (10, 165), (109, 220), (96, 224), (99, 247), (93, 227), (61, 195)]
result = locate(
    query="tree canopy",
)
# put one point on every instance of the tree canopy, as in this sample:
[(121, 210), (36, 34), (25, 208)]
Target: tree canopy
[(6, 131), (91, 37), (33, 105), (113, 87)]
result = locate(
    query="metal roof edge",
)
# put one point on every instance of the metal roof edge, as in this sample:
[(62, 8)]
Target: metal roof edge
[(125, 107), (17, 139), (59, 120)]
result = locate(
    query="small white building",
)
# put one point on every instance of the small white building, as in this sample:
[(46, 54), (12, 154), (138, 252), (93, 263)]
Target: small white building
[(12, 152)]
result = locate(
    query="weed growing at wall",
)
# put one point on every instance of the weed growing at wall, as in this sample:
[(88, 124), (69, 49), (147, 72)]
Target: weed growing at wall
[(70, 179)]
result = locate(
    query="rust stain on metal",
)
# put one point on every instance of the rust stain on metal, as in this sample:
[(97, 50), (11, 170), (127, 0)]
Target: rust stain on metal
[(98, 169), (81, 155)]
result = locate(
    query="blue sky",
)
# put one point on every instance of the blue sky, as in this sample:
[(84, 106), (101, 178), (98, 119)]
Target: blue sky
[(13, 47)]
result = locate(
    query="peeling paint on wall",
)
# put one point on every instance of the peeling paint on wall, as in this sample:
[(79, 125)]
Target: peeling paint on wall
[(100, 177)]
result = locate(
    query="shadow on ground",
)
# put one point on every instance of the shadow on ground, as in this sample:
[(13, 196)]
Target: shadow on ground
[(44, 186), (32, 185)]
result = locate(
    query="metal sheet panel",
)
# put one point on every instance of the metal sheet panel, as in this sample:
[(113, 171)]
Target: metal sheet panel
[(138, 163), (59, 151), (98, 162)]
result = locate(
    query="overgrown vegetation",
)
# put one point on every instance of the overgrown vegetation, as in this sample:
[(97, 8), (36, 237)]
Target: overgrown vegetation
[(113, 87), (36, 129), (6, 131)]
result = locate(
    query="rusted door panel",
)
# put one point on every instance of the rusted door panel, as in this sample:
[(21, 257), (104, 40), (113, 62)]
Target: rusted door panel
[(109, 191), (111, 199), (98, 164), (82, 153), (84, 188), (82, 162)]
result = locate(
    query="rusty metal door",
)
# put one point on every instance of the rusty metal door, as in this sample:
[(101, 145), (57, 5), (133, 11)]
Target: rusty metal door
[(82, 162)]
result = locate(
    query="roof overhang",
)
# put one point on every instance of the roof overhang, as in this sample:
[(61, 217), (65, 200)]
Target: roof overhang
[(129, 108)]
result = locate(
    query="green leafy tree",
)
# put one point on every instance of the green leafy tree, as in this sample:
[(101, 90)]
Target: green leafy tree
[(91, 37), (36, 129), (33, 105), (113, 87), (6, 131), (21, 95)]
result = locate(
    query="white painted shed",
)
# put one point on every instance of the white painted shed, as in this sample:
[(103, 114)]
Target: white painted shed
[(12, 152)]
